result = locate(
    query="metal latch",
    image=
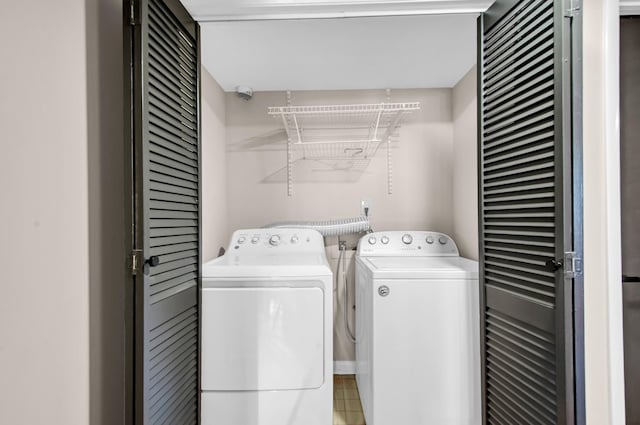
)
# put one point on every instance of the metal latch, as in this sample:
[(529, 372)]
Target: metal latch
[(572, 265), (132, 13), (136, 261), (573, 7)]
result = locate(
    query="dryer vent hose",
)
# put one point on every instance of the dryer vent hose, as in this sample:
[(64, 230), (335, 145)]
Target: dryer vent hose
[(326, 228)]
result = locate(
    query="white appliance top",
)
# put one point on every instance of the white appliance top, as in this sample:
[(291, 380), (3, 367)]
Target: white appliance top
[(407, 244), (270, 253), (421, 267), (414, 255)]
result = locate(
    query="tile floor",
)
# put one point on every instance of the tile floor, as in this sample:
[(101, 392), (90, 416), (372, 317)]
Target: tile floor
[(346, 401)]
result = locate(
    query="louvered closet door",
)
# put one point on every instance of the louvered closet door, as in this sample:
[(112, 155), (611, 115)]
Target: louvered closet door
[(526, 212), (166, 175)]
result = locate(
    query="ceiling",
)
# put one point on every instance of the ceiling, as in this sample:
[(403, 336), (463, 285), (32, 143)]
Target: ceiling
[(412, 51)]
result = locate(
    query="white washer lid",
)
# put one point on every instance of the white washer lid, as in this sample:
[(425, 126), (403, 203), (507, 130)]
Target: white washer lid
[(421, 267)]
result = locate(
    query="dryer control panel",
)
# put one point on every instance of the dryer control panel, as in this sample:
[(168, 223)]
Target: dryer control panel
[(267, 241), (407, 243)]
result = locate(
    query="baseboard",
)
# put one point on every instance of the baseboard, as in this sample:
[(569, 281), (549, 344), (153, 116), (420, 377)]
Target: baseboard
[(344, 367)]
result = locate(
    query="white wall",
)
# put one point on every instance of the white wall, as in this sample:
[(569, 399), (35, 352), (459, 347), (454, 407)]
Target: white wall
[(44, 243), (422, 172), (215, 233), (602, 259), (465, 165)]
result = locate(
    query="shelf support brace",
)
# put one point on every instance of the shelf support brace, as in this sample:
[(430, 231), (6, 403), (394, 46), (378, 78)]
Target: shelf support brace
[(289, 168), (289, 148), (389, 168)]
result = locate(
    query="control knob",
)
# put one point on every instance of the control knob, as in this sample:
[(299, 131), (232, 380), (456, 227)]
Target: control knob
[(294, 239), (384, 240), (255, 239), (274, 240), (407, 239), (429, 240), (442, 240), (241, 239), (372, 240)]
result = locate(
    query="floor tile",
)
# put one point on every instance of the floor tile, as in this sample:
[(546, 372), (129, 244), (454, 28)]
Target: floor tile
[(355, 418), (339, 418), (347, 409), (349, 384), (352, 405), (351, 394)]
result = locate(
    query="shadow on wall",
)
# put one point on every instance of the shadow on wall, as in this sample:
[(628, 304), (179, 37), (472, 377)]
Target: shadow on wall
[(105, 133), (321, 142), (311, 164)]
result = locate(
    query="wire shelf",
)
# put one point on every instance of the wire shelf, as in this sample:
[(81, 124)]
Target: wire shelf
[(337, 132), (354, 128)]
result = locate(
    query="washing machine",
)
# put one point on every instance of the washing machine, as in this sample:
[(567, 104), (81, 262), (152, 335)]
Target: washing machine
[(267, 331), (417, 330)]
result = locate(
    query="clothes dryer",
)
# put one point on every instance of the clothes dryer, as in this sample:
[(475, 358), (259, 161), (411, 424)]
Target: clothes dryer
[(267, 331)]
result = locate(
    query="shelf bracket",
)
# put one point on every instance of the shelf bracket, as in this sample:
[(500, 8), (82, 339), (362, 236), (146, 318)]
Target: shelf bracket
[(389, 168), (289, 168)]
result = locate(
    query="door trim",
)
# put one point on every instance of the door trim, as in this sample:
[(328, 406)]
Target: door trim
[(578, 210)]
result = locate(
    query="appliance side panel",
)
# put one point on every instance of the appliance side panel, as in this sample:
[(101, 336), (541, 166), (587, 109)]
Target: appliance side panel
[(426, 331)]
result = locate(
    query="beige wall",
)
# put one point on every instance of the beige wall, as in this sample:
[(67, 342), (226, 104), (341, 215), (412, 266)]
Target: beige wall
[(602, 259), (465, 165), (422, 173), (44, 243), (214, 169), (256, 159)]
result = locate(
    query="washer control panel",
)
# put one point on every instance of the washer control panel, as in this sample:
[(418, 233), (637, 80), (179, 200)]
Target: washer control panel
[(411, 243), (259, 241)]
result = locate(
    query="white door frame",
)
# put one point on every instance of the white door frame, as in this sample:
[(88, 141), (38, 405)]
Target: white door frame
[(604, 372), (603, 270)]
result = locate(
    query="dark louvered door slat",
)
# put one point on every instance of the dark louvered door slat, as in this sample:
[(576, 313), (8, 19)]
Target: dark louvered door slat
[(525, 213), (165, 123)]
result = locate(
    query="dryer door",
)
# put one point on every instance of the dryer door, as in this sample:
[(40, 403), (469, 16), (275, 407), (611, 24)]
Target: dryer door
[(262, 338)]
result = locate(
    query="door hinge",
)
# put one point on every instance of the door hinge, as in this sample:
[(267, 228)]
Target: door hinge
[(572, 265), (136, 261), (132, 13), (573, 7)]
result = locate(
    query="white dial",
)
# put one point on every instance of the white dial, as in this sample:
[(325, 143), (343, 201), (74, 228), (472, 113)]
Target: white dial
[(372, 240), (384, 240), (429, 240), (442, 240), (255, 239), (241, 239), (294, 239), (407, 239), (274, 240)]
